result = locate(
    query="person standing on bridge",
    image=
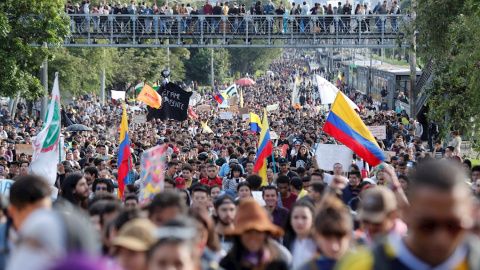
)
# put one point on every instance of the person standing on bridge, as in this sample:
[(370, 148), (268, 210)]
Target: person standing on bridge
[(208, 10)]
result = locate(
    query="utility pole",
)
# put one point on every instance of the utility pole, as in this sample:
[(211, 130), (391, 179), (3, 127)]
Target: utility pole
[(212, 78), (43, 110), (413, 64), (102, 81)]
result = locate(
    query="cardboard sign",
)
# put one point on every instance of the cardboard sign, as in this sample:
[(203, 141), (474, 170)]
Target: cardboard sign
[(379, 132), (389, 155), (329, 154), (204, 107), (5, 186), (226, 115), (139, 118), (243, 111), (24, 148), (234, 108), (274, 135), (272, 107), (118, 94), (245, 116), (152, 173)]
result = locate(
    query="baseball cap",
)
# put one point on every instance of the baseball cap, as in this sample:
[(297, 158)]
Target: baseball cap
[(233, 161), (224, 199), (180, 183), (226, 192), (282, 161), (136, 235), (378, 202), (282, 134)]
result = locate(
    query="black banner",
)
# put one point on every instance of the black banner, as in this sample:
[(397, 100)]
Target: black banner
[(174, 104)]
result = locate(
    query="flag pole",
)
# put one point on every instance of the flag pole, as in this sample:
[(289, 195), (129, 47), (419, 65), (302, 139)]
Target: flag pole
[(59, 150), (274, 166)]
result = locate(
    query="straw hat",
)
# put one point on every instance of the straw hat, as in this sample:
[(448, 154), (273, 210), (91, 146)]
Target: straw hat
[(136, 235), (251, 216)]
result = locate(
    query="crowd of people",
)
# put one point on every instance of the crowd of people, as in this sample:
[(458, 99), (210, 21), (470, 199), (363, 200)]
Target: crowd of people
[(416, 210), (237, 22)]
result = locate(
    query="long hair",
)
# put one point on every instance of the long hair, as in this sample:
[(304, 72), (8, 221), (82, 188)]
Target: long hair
[(290, 234), (68, 187), (203, 216)]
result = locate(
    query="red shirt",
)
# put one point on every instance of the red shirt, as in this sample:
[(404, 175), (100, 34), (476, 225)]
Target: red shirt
[(217, 181), (288, 202)]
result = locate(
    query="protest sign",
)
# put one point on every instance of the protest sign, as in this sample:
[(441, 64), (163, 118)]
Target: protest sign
[(329, 154), (5, 186), (24, 148), (204, 107), (174, 104), (245, 116), (274, 135), (226, 115), (243, 111), (272, 107), (152, 173), (379, 132), (118, 94), (234, 108), (389, 155), (139, 118)]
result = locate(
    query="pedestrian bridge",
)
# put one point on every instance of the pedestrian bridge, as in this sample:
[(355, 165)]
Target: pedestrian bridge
[(354, 31)]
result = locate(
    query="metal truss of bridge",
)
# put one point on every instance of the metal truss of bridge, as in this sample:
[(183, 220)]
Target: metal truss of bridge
[(355, 31)]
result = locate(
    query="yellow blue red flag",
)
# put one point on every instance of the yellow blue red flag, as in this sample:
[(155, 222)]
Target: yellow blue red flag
[(124, 156), (344, 124), (255, 123), (265, 148)]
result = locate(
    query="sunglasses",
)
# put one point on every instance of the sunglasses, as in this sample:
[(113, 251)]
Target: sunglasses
[(101, 188), (114, 166)]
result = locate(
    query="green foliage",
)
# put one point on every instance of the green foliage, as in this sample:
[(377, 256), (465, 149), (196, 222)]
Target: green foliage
[(452, 44), (249, 60), (198, 67), (28, 22)]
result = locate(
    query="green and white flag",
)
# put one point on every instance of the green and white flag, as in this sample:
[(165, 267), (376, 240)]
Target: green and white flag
[(46, 145), (232, 90), (139, 87)]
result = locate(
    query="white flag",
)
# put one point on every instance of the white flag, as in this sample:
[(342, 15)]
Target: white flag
[(46, 145), (328, 92), (232, 90)]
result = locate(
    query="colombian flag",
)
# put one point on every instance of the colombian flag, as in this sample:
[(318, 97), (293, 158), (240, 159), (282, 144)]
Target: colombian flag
[(124, 156), (221, 97), (344, 124), (265, 149), (255, 123), (339, 79)]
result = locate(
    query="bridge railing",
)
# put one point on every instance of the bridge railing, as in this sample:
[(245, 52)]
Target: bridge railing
[(158, 27)]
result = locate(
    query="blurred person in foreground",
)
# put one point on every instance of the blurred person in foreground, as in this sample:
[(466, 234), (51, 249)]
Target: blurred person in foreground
[(333, 225), (439, 219), (179, 246), (48, 236), (132, 243), (253, 246)]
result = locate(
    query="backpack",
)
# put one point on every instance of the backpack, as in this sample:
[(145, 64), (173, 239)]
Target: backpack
[(80, 10)]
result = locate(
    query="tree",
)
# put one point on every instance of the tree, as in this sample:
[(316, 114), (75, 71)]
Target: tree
[(80, 68), (249, 60), (23, 23), (452, 44), (198, 67)]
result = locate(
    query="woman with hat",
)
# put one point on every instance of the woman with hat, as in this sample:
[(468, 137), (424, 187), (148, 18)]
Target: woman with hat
[(253, 246)]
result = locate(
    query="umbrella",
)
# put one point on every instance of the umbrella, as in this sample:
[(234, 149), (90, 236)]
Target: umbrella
[(245, 81), (78, 127)]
